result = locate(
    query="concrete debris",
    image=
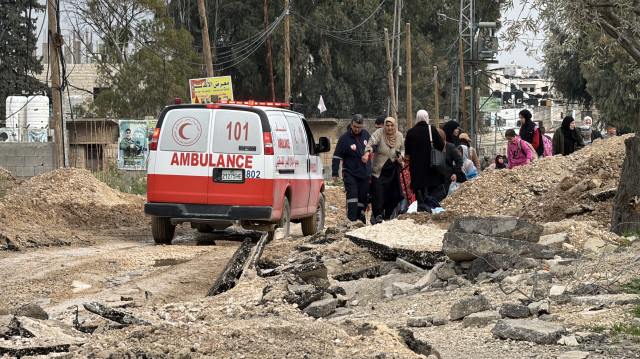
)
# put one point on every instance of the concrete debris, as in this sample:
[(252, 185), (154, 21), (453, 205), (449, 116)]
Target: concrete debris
[(32, 310), (504, 227), (466, 306), (554, 240), (481, 319), (463, 246), (514, 311), (574, 354), (528, 330), (321, 308), (117, 315), (569, 341), (606, 300)]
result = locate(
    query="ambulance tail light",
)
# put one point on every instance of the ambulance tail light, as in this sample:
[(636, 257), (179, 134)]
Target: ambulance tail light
[(268, 143), (154, 140)]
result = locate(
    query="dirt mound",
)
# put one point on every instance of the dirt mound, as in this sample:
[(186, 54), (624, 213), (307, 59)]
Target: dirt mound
[(547, 190), (7, 181), (47, 209)]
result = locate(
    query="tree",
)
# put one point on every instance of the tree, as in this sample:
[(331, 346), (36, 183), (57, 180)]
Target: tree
[(145, 61), (618, 21), (563, 65), (337, 50), (18, 62)]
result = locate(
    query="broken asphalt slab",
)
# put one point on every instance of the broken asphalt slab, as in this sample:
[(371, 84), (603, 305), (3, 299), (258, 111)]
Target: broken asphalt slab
[(388, 253)]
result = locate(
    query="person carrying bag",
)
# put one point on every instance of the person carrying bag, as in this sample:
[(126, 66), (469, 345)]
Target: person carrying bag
[(426, 179)]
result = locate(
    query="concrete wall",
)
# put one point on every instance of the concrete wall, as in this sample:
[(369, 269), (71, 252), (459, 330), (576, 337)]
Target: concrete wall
[(27, 159)]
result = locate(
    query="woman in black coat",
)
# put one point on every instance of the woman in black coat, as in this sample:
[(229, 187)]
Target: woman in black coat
[(451, 130), (425, 181)]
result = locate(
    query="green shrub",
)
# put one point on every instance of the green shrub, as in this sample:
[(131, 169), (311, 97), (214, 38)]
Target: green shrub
[(134, 182), (632, 287)]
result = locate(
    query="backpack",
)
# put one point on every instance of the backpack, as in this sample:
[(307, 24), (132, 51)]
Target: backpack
[(548, 146), (535, 155)]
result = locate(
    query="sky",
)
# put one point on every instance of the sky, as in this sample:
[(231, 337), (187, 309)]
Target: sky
[(518, 55)]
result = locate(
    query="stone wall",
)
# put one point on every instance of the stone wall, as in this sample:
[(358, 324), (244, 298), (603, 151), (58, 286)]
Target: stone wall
[(83, 77), (27, 159)]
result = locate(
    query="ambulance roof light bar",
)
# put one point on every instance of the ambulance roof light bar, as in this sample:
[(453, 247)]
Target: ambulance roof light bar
[(255, 103)]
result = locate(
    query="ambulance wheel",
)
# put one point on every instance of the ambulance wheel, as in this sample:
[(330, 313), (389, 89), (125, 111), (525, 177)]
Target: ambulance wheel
[(162, 230), (314, 224), (203, 228), (285, 219)]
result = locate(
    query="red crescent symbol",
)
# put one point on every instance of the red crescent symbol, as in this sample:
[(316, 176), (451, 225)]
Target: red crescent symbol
[(182, 129)]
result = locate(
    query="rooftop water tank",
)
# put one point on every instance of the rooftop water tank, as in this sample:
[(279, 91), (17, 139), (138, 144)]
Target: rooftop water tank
[(37, 112), (16, 111)]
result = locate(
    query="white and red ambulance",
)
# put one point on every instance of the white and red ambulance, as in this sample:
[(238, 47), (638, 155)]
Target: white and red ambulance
[(252, 162)]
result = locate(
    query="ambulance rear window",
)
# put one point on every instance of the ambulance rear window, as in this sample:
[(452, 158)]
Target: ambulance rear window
[(185, 130), (237, 132)]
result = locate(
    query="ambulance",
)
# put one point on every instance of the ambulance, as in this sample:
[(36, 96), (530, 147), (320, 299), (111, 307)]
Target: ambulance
[(252, 163)]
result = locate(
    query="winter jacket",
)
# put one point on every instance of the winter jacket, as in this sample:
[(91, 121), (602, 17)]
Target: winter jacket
[(383, 152), (454, 165), (418, 147), (558, 142), (531, 133), (350, 151), (518, 154)]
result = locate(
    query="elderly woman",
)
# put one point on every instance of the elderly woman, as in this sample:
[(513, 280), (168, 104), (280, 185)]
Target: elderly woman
[(385, 175)]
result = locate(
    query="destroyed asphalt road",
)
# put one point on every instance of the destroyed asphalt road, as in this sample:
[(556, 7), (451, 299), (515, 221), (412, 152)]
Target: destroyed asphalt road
[(387, 291)]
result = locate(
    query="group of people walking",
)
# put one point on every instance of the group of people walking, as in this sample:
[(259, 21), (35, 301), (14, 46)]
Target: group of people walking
[(532, 143), (372, 165)]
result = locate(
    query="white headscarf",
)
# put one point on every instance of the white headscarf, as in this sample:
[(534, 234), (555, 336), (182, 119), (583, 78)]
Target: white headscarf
[(422, 115)]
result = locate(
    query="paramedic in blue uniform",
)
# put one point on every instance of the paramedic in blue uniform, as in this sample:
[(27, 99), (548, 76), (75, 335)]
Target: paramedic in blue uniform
[(356, 171)]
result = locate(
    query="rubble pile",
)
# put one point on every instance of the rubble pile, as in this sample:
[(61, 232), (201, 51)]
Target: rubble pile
[(581, 185), (46, 209)]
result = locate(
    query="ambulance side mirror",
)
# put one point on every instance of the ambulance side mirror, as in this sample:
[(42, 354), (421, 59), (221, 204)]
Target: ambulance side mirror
[(323, 145)]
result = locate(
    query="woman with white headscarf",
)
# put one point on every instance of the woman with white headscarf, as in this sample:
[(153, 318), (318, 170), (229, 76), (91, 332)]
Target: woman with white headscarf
[(385, 175)]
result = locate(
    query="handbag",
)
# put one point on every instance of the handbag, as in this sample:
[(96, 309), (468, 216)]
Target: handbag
[(437, 157)]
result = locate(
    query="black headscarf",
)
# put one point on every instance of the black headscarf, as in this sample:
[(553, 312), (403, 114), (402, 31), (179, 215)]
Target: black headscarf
[(498, 164), (570, 136), (448, 129)]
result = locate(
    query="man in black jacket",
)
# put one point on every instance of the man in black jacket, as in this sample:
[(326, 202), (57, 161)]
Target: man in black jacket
[(356, 172)]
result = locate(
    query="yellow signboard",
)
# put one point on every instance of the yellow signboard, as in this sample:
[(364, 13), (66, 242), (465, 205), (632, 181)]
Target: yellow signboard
[(203, 89)]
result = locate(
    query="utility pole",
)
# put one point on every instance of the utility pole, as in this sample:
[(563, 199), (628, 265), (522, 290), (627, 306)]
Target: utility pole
[(398, 56), (55, 43), (206, 46), (437, 94), (462, 87), (409, 98), (269, 63), (392, 91), (287, 55)]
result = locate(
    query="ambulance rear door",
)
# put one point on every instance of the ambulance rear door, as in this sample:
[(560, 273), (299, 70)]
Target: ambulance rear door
[(237, 171), (302, 181), (178, 171)]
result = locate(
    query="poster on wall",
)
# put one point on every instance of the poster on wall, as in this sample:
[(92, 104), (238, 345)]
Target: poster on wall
[(133, 144), (203, 89)]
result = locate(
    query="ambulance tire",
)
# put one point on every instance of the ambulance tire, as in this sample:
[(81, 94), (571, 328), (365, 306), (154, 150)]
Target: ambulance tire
[(203, 228), (314, 224), (285, 219), (162, 230)]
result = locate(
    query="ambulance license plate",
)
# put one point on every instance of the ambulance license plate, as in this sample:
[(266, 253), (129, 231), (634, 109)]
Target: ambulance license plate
[(231, 175)]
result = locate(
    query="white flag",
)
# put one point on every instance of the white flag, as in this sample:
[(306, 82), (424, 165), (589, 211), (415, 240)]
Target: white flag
[(321, 105)]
